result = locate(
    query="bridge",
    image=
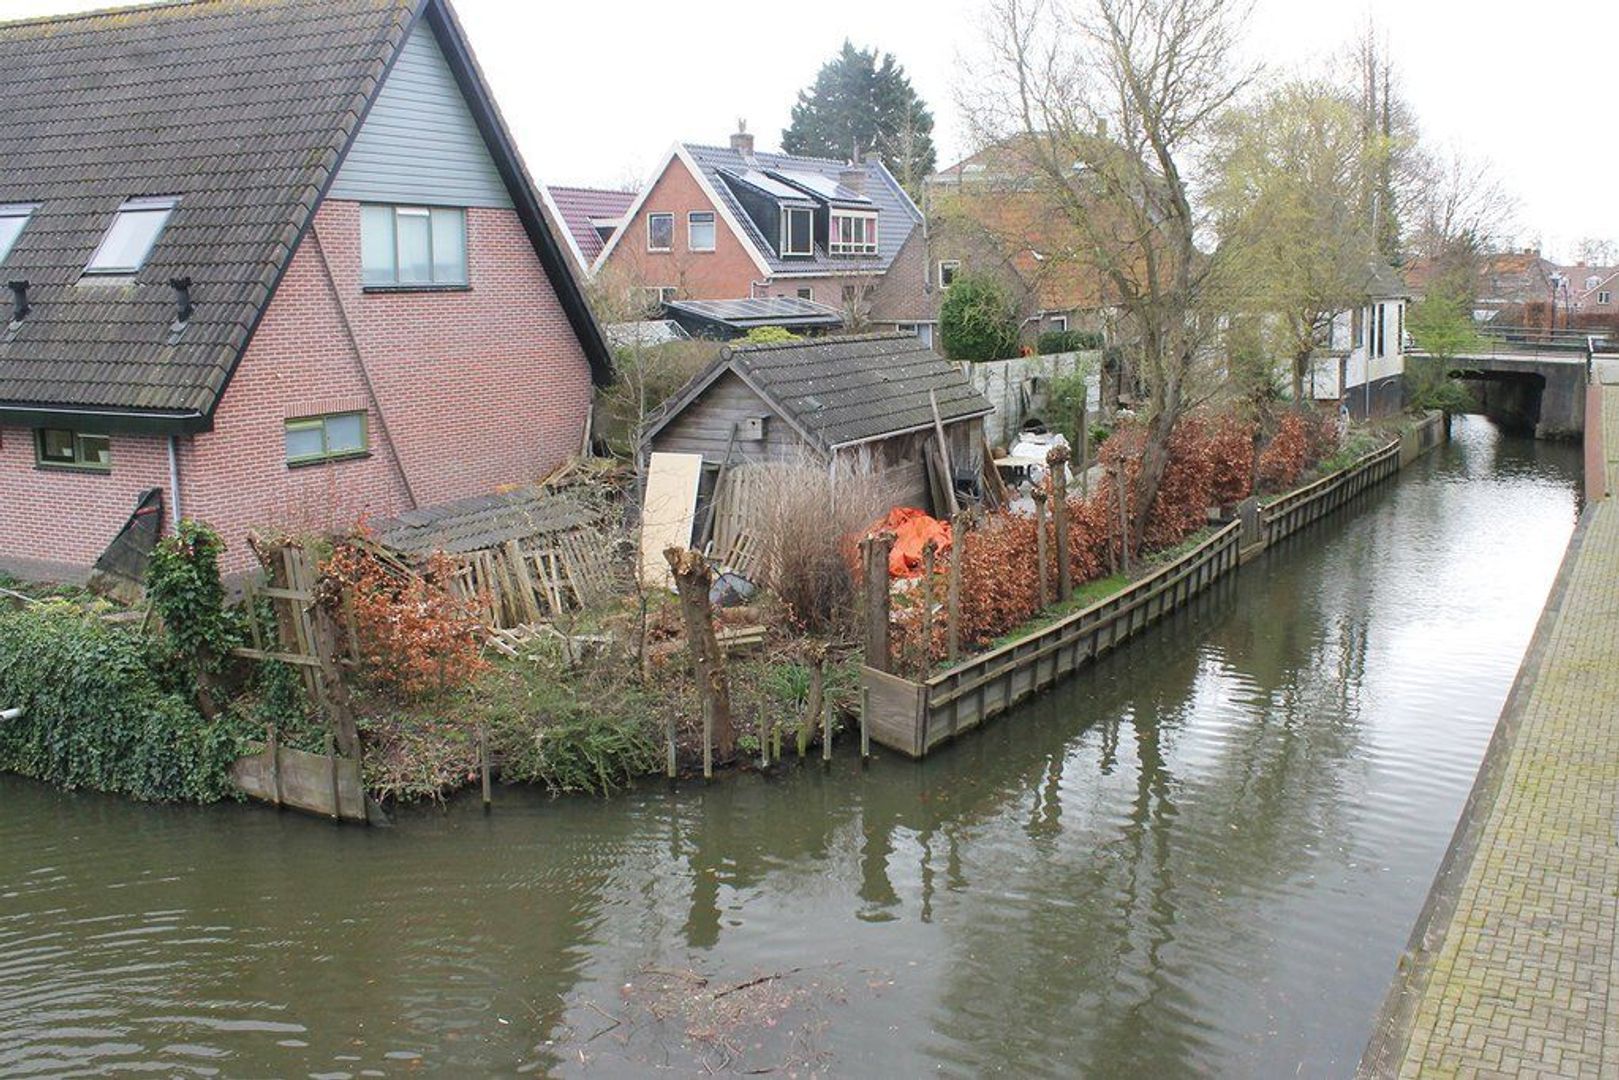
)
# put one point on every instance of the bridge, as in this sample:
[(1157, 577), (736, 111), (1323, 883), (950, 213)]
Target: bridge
[(1529, 378)]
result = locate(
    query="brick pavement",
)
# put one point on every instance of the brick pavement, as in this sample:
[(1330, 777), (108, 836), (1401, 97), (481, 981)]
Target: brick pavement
[(1521, 984)]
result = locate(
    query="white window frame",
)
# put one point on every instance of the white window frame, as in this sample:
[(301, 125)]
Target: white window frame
[(806, 292), (786, 230), (650, 218), (159, 206), (713, 229), (1604, 297), (954, 266), (20, 213), (866, 245), (460, 281), (1059, 324)]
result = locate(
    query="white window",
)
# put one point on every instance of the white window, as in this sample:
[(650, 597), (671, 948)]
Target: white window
[(133, 233), (660, 232), (797, 228), (948, 269), (852, 234), (413, 246), (806, 293), (1059, 323), (13, 217), (1604, 297), (700, 230)]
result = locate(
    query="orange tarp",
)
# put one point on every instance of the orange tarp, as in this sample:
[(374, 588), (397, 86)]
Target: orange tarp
[(912, 530)]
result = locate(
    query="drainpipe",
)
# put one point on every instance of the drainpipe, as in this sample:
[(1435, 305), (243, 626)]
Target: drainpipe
[(174, 482)]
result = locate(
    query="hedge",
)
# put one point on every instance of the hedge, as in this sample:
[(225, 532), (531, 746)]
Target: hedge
[(97, 712)]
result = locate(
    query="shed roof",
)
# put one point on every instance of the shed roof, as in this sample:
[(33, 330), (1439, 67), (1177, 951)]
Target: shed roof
[(243, 109), (838, 391), (760, 311)]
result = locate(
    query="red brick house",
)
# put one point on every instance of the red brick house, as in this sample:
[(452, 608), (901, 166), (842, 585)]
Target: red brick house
[(279, 260), (732, 223)]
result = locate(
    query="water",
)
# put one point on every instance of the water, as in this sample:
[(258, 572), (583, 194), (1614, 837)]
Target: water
[(1202, 857)]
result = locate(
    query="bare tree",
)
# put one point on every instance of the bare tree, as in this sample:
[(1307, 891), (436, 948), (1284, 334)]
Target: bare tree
[(1112, 100), (1596, 251)]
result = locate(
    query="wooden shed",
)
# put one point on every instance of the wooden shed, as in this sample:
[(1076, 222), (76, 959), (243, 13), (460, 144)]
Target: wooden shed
[(865, 401)]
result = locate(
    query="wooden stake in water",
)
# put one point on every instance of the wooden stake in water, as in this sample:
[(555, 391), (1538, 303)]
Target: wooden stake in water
[(826, 730), (708, 741), (669, 765), (813, 703), (483, 767), (865, 730)]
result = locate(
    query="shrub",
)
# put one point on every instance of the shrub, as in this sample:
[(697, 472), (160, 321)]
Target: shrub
[(812, 519), (769, 335), (572, 745), (1061, 341), (1230, 448), (415, 636), (1284, 458), (184, 586), (977, 321), (96, 713)]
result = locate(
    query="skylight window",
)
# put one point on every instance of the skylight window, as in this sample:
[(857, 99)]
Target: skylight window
[(129, 241), (13, 216)]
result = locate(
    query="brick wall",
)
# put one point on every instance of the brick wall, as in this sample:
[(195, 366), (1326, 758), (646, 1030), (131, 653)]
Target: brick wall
[(726, 273), (473, 390)]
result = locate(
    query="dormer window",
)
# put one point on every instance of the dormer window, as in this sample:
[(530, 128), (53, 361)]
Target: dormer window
[(13, 216), (852, 234), (133, 234), (797, 230)]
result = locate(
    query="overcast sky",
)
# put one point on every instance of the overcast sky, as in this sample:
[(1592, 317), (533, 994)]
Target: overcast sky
[(596, 92)]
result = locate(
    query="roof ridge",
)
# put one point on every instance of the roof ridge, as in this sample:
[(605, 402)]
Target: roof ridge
[(772, 153), (596, 190), (99, 13)]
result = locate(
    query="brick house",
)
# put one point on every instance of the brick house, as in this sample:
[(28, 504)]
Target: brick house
[(990, 214), (731, 223), (306, 282)]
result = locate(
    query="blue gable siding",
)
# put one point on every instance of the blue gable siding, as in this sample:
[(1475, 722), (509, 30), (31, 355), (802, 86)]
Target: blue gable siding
[(419, 143)]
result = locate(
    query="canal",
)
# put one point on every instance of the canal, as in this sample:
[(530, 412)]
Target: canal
[(1202, 856)]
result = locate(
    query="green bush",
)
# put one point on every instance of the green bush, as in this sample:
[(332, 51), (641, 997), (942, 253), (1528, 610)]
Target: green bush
[(188, 596), (97, 713), (1061, 341), (769, 335), (977, 321), (581, 751)]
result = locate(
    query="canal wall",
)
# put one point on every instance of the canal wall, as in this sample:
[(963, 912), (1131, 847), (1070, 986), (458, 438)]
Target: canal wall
[(913, 717), (1514, 959)]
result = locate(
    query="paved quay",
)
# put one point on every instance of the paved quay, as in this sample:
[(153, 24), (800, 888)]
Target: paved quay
[(1515, 969)]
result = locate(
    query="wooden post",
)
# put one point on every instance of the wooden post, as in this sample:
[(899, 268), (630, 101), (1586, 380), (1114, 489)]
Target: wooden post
[(865, 728), (1057, 477), (669, 764), (826, 730), (331, 768), (483, 767), (763, 727), (817, 691), (929, 550), (708, 740), (875, 551), (693, 578), (1124, 516), (273, 742), (949, 477), (1040, 556), (1084, 433), (958, 540)]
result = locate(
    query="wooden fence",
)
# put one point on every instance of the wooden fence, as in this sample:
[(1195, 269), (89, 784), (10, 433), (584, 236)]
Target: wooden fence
[(1312, 502)]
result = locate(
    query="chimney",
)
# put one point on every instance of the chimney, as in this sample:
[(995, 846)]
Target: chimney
[(19, 300), (182, 298), (742, 141), (853, 177)]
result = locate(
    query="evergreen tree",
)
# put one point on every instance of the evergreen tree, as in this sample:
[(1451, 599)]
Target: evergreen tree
[(861, 102)]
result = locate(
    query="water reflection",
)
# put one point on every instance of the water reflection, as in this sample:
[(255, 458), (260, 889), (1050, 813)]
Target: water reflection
[(1201, 856)]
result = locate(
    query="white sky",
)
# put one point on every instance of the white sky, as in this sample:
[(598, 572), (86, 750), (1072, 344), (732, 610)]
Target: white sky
[(596, 92)]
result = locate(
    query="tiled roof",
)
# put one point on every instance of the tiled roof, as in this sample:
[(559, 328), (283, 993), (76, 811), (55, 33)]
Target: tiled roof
[(239, 108), (842, 390), (896, 215), (579, 206)]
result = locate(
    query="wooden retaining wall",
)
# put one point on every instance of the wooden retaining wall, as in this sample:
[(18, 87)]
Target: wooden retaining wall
[(329, 786), (914, 717)]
